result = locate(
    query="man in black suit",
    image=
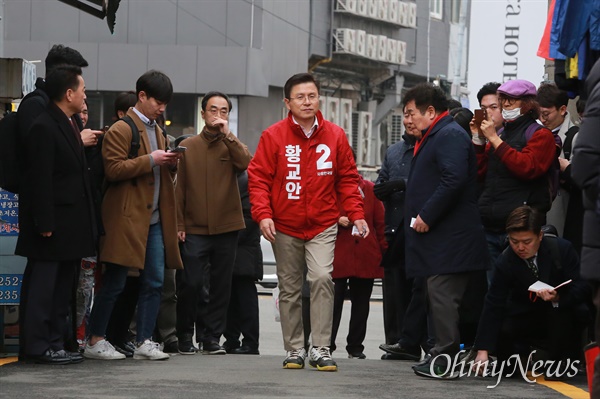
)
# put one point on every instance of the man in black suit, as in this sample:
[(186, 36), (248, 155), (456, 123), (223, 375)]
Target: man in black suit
[(57, 226), (513, 318)]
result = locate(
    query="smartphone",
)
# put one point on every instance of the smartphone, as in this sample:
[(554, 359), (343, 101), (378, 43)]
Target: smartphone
[(479, 117), (179, 149)]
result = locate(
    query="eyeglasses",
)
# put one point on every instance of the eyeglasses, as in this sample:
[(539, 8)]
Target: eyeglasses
[(300, 99), (546, 115), (222, 111)]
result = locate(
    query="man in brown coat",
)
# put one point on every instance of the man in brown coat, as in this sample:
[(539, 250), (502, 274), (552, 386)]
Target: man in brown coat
[(138, 212), (209, 217)]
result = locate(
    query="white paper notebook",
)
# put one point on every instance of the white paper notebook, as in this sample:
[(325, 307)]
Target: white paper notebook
[(540, 285)]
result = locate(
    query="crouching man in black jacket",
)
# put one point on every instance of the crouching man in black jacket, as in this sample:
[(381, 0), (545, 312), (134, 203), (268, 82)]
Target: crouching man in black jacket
[(515, 319)]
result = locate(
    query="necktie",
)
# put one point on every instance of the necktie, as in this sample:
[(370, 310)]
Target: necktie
[(531, 265)]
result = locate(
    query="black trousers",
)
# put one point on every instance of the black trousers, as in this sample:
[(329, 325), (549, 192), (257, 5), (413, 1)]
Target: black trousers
[(242, 315), (117, 330), (47, 294), (208, 268), (555, 330), (396, 297), (359, 291)]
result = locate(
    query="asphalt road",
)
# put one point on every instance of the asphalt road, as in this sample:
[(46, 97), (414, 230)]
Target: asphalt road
[(247, 376)]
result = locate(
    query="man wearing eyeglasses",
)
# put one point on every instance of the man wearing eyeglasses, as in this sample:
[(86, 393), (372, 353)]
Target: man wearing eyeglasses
[(209, 216), (515, 318), (566, 213), (303, 165)]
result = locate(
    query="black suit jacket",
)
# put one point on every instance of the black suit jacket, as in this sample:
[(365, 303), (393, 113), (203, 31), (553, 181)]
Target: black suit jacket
[(56, 193), (508, 293)]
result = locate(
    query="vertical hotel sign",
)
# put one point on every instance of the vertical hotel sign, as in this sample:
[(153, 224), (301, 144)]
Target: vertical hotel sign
[(9, 213), (503, 42)]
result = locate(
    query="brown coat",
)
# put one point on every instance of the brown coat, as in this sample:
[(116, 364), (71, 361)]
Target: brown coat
[(127, 203), (208, 197)]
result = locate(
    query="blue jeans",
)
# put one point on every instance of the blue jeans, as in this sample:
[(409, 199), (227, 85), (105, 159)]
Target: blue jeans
[(151, 282), (496, 243)]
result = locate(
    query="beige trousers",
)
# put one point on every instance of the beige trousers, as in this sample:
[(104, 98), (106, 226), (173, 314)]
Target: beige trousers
[(293, 255)]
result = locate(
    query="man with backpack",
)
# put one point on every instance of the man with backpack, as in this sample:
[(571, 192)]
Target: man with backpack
[(566, 213), (513, 163), (515, 318), (139, 218)]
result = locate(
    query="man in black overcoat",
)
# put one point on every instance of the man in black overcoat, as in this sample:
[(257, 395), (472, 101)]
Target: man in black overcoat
[(57, 226)]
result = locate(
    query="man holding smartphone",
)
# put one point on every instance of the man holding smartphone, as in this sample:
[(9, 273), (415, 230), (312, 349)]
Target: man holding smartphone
[(209, 216)]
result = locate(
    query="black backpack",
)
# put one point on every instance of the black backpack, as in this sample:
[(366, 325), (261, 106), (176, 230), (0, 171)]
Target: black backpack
[(10, 149)]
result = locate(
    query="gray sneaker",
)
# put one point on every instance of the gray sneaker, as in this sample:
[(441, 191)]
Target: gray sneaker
[(320, 357), (103, 350), (149, 350), (294, 359)]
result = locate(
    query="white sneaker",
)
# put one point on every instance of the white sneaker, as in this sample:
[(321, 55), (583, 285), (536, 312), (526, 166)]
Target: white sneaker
[(103, 350), (149, 350)]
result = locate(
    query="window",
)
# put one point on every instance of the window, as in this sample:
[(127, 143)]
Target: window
[(435, 8), (454, 18)]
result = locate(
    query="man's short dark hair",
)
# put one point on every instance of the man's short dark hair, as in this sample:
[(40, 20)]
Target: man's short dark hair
[(156, 85), (454, 104), (524, 218), (463, 117), (61, 55), (212, 94), (549, 95), (124, 101), (61, 79), (425, 95), (297, 79), (488, 88)]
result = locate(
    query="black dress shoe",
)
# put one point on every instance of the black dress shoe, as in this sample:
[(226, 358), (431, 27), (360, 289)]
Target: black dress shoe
[(52, 357), (391, 356), (245, 350), (403, 352)]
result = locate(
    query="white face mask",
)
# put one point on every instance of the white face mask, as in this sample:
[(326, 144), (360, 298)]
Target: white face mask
[(511, 114)]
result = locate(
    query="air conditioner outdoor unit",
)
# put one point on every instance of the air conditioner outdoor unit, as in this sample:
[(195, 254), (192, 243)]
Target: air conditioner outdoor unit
[(412, 15), (361, 131), (372, 46), (362, 7), (382, 10), (403, 13), (361, 42), (393, 12), (346, 117), (381, 47), (345, 41), (380, 144), (392, 51), (401, 53), (323, 106), (333, 110), (372, 6), (346, 6), (396, 129)]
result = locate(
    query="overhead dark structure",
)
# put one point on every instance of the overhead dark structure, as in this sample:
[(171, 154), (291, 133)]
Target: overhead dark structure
[(99, 9)]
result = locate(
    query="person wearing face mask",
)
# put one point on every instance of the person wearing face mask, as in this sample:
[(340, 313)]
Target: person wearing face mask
[(513, 163)]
